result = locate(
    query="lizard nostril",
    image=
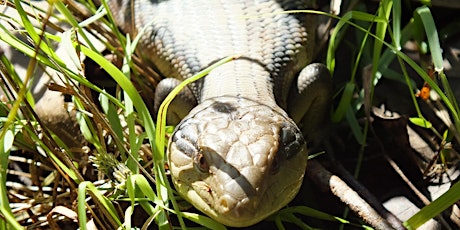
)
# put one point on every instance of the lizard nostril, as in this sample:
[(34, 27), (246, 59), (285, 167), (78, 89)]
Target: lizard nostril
[(226, 204)]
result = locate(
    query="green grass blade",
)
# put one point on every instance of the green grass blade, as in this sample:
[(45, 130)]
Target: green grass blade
[(126, 85), (354, 126), (81, 206), (70, 18), (112, 115), (8, 38), (143, 185), (389, 55), (432, 36), (138, 188), (288, 214), (204, 221), (343, 21), (397, 24), (435, 208), (10, 219), (37, 34), (6, 143), (129, 112), (344, 102), (10, 69), (307, 211), (380, 32)]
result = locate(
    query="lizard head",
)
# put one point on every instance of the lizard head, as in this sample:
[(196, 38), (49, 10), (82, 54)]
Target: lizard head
[(236, 160)]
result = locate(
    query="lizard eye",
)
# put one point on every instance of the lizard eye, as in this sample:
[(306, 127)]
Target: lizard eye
[(201, 163)]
